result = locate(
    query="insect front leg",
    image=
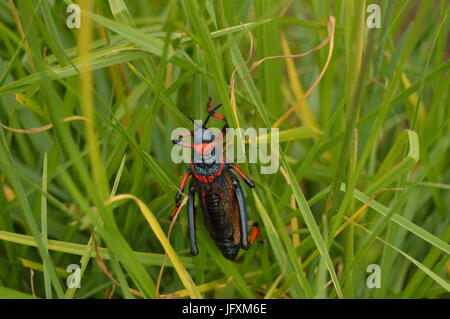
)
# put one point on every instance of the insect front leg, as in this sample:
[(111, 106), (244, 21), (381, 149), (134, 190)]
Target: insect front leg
[(182, 143), (247, 180), (179, 194), (191, 221)]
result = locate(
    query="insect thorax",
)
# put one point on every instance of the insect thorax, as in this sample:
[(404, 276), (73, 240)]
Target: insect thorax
[(206, 168)]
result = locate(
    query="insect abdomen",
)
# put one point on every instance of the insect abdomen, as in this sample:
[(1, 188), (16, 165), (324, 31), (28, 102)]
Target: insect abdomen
[(229, 249), (221, 217), (212, 202)]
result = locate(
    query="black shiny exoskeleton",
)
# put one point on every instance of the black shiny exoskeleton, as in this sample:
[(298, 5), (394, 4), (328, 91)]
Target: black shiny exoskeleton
[(219, 191)]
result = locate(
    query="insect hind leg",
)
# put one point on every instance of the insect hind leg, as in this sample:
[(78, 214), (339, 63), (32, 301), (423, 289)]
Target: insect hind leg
[(255, 234), (242, 214)]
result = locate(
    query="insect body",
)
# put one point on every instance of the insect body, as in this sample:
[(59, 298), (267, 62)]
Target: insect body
[(219, 191)]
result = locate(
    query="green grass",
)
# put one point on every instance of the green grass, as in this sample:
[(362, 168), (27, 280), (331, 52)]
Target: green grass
[(87, 178)]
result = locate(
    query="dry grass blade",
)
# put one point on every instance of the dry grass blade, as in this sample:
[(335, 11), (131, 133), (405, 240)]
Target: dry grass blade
[(329, 39), (172, 223), (305, 114), (232, 79), (44, 128), (101, 264)]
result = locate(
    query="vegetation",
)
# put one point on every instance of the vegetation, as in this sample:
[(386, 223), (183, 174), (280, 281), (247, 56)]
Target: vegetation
[(85, 154)]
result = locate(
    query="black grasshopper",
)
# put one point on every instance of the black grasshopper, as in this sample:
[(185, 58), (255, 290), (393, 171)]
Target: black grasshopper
[(219, 191)]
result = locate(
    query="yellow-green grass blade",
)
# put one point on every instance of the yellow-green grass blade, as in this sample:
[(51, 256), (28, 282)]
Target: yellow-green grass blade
[(100, 59), (8, 293), (227, 267), (149, 259), (287, 261), (443, 283), (10, 172), (120, 12), (402, 221), (85, 258), (145, 41), (386, 174), (156, 228), (44, 230), (312, 226), (287, 135), (40, 267)]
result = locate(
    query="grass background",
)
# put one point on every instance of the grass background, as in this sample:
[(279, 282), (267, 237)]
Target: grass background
[(87, 115)]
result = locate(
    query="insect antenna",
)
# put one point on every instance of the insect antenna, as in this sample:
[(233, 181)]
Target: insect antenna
[(211, 113)]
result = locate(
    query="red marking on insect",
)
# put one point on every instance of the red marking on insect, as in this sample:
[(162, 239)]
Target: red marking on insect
[(204, 148), (256, 234), (207, 178)]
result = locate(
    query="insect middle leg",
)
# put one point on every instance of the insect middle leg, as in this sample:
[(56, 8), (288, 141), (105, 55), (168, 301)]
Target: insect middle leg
[(191, 220)]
